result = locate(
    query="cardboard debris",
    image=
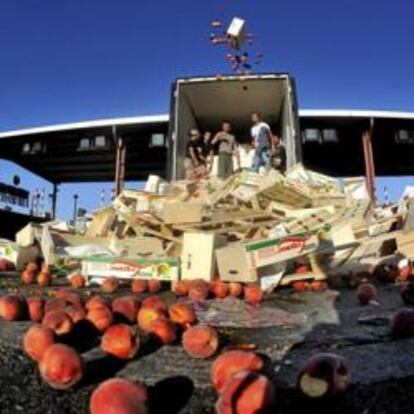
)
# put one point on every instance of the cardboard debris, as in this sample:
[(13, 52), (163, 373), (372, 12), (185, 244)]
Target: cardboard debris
[(249, 228)]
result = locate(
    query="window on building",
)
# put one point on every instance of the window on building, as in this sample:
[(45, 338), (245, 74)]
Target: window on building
[(330, 135), (84, 144), (157, 140), (311, 135), (404, 136), (100, 141), (26, 148), (36, 147)]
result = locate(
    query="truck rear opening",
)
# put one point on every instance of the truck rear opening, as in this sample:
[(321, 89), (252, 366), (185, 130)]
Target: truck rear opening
[(204, 103)]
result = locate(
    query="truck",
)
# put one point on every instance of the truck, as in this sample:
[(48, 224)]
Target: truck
[(204, 102)]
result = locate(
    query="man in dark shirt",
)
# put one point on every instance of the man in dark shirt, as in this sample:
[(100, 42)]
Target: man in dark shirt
[(208, 150), (194, 150)]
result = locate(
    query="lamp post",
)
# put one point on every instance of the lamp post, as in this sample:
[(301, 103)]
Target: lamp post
[(75, 209)]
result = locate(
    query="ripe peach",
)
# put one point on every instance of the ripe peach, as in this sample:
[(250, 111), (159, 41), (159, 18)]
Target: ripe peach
[(44, 279), (117, 395), (77, 281), (139, 286), (100, 317), (318, 286), (301, 269), (164, 330), (11, 308), (68, 295), (121, 341), (366, 292), (402, 324), (76, 312), (147, 315), (253, 294), (219, 289), (200, 341), (155, 302), (180, 287), (154, 285), (35, 307), (246, 392), (235, 289), (110, 285), (32, 267), (61, 366), (227, 364), (27, 277), (182, 314), (300, 286), (59, 321), (55, 304), (126, 307), (324, 374), (95, 301), (36, 340), (198, 289)]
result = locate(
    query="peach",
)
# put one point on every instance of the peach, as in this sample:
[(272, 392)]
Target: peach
[(219, 289), (146, 316), (110, 285), (11, 308), (246, 392), (36, 340), (27, 277), (301, 269), (402, 323), (55, 304), (59, 321), (182, 314), (253, 294), (154, 285), (101, 318), (117, 395), (318, 286), (180, 287), (61, 366), (155, 302), (44, 279), (235, 289), (227, 364), (32, 267), (300, 286), (120, 341), (126, 307), (198, 289), (200, 341), (366, 293), (95, 301), (77, 281), (68, 295), (324, 374), (35, 307), (139, 286), (164, 330), (76, 312)]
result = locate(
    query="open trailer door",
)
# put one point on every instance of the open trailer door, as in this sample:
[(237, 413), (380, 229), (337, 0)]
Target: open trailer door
[(204, 103)]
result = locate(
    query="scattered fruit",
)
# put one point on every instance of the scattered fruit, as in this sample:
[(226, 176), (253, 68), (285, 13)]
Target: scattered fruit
[(11, 308), (35, 307), (77, 281), (55, 304), (155, 302), (61, 366), (231, 362), (200, 341), (126, 307), (76, 312), (96, 301), (44, 279), (253, 294), (118, 396), (36, 340), (324, 374), (164, 330), (139, 286), (147, 315), (68, 295), (110, 285), (318, 286), (32, 267), (366, 292), (27, 277), (154, 285), (198, 289), (219, 289), (59, 321), (120, 341), (100, 317), (235, 289), (246, 392), (300, 286), (182, 314), (181, 287)]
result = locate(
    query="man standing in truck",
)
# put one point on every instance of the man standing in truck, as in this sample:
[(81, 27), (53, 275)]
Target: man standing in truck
[(194, 153), (226, 147), (263, 143)]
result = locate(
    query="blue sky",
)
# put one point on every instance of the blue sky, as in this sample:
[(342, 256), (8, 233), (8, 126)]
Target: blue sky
[(77, 60)]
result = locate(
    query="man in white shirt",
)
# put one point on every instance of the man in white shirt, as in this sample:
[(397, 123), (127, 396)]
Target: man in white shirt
[(263, 143)]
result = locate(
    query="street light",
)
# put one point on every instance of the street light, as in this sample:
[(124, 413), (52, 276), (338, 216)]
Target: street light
[(75, 208)]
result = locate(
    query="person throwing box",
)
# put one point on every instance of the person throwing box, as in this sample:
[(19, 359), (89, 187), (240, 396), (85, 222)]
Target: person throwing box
[(226, 147), (263, 143)]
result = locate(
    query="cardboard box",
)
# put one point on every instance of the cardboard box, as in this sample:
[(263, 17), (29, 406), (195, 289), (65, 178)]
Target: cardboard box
[(233, 265), (198, 255), (174, 213), (126, 268), (405, 244)]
